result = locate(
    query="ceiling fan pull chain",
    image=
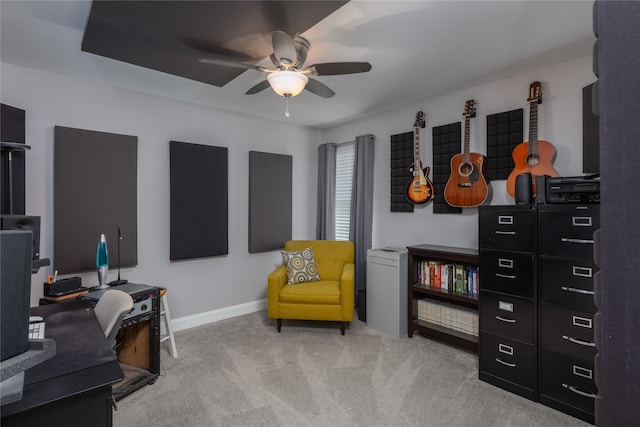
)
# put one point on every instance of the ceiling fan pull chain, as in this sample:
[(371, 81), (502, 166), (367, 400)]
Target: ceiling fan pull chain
[(286, 106)]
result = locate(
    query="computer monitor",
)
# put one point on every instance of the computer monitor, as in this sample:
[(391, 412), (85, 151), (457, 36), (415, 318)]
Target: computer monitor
[(15, 292), (24, 223)]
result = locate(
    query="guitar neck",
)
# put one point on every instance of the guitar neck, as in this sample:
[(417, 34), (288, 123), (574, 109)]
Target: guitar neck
[(466, 138), (533, 127), (416, 160)]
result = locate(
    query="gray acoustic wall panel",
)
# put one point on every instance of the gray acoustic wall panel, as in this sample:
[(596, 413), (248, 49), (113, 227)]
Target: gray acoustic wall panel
[(199, 201), (270, 204), (95, 192)]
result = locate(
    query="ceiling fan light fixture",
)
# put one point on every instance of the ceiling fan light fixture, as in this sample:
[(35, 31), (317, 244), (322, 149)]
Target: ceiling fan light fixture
[(287, 83)]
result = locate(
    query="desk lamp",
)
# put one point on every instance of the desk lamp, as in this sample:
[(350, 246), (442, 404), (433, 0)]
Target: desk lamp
[(102, 262)]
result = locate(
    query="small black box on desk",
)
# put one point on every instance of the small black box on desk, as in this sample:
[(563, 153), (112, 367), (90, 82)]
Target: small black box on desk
[(63, 287)]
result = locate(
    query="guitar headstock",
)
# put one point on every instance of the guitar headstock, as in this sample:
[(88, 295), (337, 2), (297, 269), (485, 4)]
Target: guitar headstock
[(535, 93), (470, 108), (419, 123)]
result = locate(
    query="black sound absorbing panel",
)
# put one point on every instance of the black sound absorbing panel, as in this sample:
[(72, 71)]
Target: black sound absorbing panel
[(446, 144), (199, 201), (95, 189), (402, 146), (270, 201), (504, 132)]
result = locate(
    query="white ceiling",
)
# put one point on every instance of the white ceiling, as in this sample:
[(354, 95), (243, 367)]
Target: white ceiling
[(418, 50)]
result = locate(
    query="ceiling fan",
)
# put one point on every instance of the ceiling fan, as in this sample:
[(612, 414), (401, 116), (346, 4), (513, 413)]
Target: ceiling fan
[(289, 78)]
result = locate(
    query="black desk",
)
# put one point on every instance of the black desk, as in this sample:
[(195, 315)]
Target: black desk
[(73, 388)]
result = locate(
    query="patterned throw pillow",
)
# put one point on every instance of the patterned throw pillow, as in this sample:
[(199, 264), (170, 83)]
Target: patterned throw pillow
[(301, 266)]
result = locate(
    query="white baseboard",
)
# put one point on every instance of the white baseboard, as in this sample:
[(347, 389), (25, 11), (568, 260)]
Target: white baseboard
[(200, 319)]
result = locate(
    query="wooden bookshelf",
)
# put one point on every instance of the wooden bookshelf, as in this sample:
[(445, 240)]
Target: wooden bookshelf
[(418, 290)]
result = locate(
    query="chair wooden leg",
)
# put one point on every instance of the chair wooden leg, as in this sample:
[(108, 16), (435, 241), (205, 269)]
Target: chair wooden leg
[(343, 325), (278, 324)]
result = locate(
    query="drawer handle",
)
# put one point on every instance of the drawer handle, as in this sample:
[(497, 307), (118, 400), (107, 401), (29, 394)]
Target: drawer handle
[(582, 271), (511, 365), (505, 276), (583, 372), (504, 319), (570, 240), (583, 322), (511, 233), (577, 341), (506, 349), (577, 291), (505, 219), (581, 221), (580, 392), (505, 263)]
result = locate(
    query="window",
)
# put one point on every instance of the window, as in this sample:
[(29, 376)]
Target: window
[(345, 155)]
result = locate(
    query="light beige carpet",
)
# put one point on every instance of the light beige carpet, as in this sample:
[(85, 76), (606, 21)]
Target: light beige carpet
[(241, 372)]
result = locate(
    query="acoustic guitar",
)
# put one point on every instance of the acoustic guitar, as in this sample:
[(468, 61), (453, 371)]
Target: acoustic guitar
[(419, 189), (467, 186), (535, 156)]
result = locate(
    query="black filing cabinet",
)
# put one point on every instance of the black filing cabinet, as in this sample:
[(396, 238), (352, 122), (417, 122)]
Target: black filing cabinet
[(566, 307), (508, 307)]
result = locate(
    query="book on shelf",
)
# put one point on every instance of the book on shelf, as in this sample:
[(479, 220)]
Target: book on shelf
[(448, 277), (448, 315)]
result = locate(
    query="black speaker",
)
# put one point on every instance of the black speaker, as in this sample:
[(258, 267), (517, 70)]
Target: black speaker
[(541, 189), (523, 189), (24, 223), (15, 292)]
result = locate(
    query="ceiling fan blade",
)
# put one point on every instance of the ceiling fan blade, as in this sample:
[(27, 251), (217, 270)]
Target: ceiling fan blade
[(337, 68), (258, 88), (320, 89), (283, 47), (233, 64)]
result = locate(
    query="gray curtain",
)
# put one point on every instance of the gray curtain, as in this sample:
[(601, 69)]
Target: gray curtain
[(325, 219), (360, 232)]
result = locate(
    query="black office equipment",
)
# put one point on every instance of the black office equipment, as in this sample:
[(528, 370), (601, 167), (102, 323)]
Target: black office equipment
[(573, 189), (15, 292)]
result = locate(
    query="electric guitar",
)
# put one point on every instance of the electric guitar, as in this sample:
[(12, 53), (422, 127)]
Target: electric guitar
[(536, 156), (419, 189), (467, 185)]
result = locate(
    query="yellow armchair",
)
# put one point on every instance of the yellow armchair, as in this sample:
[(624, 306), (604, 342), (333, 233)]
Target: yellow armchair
[(330, 298)]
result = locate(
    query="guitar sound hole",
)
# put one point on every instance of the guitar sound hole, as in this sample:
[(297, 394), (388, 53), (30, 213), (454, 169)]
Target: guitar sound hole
[(465, 169), (533, 160)]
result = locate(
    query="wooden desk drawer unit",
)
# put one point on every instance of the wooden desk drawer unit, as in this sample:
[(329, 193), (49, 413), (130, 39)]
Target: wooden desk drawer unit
[(507, 359), (508, 272), (507, 316), (568, 230), (567, 331), (507, 229), (567, 282)]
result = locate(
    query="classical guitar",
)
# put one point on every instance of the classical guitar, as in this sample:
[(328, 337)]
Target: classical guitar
[(536, 156), (419, 189), (467, 185)]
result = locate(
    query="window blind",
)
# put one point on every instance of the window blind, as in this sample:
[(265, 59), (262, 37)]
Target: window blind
[(345, 155)]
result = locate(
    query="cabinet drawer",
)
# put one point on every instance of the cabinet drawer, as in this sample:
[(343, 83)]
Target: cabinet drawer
[(568, 232), (568, 380), (508, 272), (567, 331), (510, 360), (507, 316), (510, 229), (567, 282)]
